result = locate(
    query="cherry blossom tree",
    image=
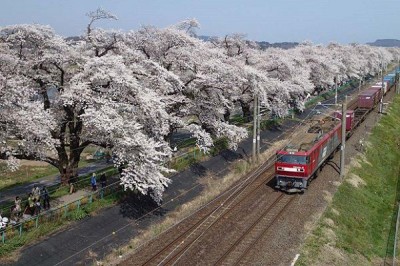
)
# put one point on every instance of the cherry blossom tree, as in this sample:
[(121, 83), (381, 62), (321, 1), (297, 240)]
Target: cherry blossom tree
[(207, 81), (67, 100), (292, 71), (241, 54), (324, 68)]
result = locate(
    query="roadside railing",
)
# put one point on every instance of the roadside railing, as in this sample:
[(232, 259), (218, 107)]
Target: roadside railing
[(71, 211)]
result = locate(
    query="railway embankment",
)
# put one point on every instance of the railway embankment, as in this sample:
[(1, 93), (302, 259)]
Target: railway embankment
[(358, 228)]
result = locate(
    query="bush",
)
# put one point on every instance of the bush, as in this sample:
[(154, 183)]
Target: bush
[(219, 145), (267, 124)]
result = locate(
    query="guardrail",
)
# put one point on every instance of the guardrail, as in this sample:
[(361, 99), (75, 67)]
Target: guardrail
[(59, 214)]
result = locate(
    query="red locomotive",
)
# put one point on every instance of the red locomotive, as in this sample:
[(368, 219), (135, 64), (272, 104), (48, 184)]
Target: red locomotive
[(298, 163)]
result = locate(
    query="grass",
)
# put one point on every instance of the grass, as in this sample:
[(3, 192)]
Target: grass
[(190, 142), (363, 217), (16, 242), (193, 155), (237, 119), (24, 174), (270, 123)]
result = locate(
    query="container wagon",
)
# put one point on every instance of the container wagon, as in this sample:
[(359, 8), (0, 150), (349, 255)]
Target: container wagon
[(369, 98)]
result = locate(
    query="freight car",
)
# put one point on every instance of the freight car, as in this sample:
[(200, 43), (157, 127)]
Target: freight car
[(369, 98)]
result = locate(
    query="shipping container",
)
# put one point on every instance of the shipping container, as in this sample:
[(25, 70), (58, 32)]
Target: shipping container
[(369, 98), (349, 118)]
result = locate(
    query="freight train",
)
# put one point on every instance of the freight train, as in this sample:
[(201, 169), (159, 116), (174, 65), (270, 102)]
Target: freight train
[(300, 161)]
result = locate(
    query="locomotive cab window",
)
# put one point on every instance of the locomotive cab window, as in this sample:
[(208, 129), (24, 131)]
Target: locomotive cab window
[(295, 159)]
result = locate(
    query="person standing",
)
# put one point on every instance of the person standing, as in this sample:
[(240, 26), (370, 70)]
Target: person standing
[(16, 209), (71, 183), (36, 192), (30, 205), (46, 198), (37, 207), (17, 203), (93, 182), (103, 180)]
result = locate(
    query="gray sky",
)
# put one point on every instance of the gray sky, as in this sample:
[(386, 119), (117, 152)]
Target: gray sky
[(319, 21)]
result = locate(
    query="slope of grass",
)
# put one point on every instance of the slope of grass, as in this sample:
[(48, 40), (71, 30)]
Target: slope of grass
[(362, 218), (25, 174)]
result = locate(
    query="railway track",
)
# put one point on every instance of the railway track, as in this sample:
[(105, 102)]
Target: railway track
[(170, 251), (238, 251)]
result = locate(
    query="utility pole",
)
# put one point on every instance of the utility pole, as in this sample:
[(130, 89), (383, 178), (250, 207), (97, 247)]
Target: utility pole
[(343, 146), (397, 87), (334, 80), (258, 128), (254, 126), (381, 100)]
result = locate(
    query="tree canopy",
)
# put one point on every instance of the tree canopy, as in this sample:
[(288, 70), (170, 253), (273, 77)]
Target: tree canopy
[(129, 91)]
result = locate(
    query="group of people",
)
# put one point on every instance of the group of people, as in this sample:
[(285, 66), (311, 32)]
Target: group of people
[(38, 199), (93, 181)]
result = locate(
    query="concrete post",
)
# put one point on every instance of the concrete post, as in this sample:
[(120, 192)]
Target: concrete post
[(343, 146), (258, 128), (254, 126)]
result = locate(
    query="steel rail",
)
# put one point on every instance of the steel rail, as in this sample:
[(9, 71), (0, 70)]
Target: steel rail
[(225, 207)]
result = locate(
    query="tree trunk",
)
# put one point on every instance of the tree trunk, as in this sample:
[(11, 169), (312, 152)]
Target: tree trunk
[(69, 159), (68, 171), (246, 111), (227, 115)]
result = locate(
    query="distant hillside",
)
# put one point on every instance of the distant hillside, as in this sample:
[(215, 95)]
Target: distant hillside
[(74, 38), (283, 45), (386, 43), (262, 44)]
